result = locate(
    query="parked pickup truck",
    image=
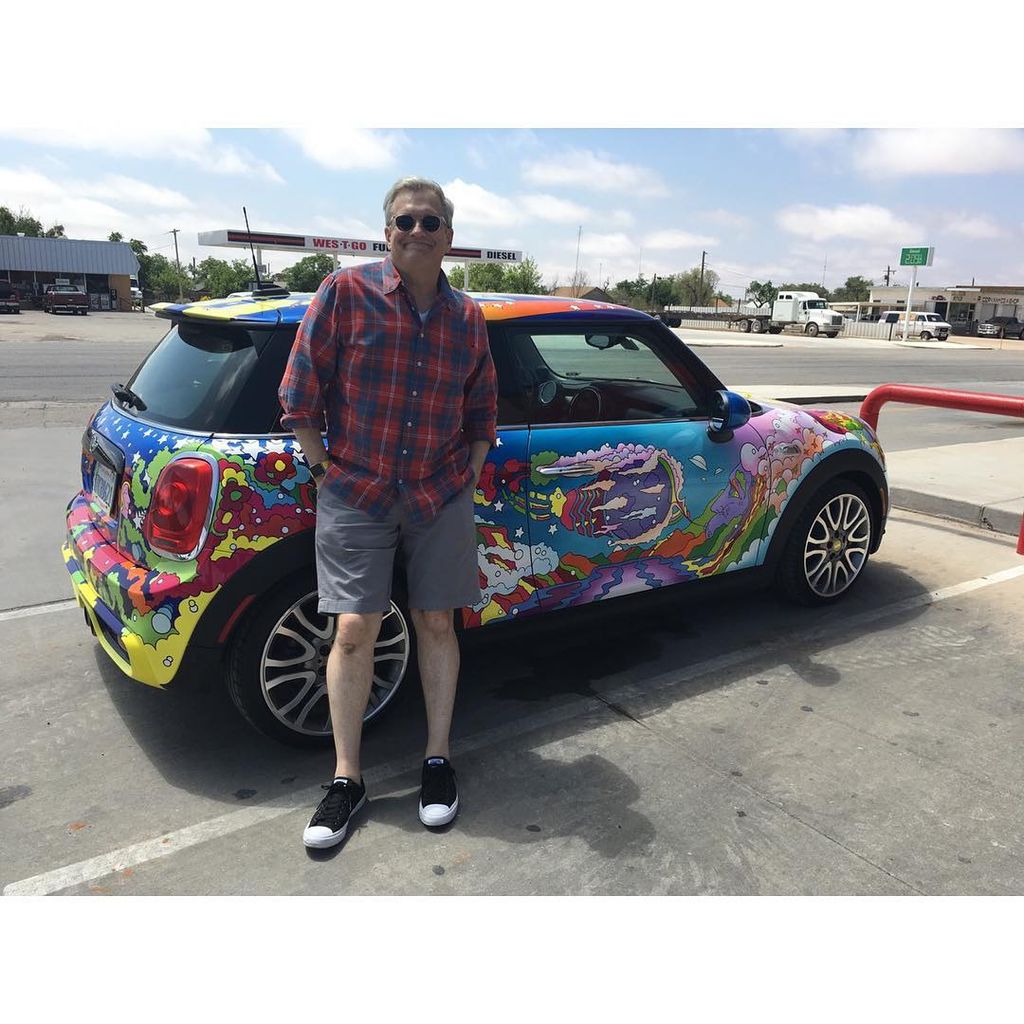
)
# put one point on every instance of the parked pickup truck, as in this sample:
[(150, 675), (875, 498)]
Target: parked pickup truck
[(9, 298), (1002, 327), (65, 298)]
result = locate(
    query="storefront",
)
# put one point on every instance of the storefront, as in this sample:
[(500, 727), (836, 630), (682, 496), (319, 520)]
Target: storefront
[(962, 305), (103, 270)]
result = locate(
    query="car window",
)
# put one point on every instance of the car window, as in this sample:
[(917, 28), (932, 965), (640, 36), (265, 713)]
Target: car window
[(602, 374), (213, 378)]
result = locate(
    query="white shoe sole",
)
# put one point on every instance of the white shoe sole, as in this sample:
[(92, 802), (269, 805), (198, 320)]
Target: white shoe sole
[(434, 815), (325, 842)]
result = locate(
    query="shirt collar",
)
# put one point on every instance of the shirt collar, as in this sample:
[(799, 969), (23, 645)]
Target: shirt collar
[(392, 279)]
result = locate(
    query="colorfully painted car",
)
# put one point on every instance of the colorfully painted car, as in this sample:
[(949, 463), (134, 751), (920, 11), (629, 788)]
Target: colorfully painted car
[(622, 465)]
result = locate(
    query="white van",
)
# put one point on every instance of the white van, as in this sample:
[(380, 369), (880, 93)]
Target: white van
[(922, 325)]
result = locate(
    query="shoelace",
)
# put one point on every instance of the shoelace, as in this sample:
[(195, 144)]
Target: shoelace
[(332, 804)]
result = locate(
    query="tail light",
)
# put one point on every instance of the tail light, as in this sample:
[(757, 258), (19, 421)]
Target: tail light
[(180, 507)]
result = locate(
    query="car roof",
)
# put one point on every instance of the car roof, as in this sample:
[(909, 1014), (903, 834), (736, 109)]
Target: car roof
[(289, 309)]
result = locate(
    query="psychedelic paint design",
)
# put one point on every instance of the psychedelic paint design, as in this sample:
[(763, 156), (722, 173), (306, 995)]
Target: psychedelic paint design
[(557, 530), (148, 604)]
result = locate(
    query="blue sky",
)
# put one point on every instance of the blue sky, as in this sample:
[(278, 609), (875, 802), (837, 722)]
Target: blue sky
[(782, 204), (718, 139)]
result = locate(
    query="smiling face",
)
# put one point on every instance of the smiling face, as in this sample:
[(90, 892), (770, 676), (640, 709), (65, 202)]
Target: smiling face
[(418, 253)]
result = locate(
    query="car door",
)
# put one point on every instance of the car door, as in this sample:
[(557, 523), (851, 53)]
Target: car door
[(627, 489)]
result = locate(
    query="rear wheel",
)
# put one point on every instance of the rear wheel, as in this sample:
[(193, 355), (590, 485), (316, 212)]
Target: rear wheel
[(828, 547), (756, 326), (277, 674), (745, 326), (812, 330)]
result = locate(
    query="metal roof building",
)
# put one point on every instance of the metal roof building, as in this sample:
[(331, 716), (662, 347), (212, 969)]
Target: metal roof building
[(68, 255), (103, 270)]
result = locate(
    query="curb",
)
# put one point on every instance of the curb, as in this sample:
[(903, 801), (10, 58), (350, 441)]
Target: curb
[(989, 517)]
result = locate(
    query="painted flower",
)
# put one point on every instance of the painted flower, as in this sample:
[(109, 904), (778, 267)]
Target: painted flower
[(274, 468)]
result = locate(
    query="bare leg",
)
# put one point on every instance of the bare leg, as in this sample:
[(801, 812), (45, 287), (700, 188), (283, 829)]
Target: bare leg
[(438, 651), (349, 677)]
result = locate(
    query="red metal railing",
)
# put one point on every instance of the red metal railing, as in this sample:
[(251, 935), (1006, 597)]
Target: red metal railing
[(943, 398)]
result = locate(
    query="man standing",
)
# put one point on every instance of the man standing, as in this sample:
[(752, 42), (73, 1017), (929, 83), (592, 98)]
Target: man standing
[(398, 362)]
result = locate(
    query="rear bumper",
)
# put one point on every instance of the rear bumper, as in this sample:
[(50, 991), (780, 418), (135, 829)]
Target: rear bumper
[(59, 308), (144, 619)]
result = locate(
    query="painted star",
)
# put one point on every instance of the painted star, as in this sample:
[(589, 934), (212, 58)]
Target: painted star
[(519, 532), (552, 528), (497, 442), (498, 506)]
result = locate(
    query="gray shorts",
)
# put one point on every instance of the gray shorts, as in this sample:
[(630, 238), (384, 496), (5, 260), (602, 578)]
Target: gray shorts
[(355, 556)]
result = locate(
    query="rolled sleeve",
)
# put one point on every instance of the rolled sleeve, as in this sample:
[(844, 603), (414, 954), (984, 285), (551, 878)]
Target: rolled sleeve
[(312, 363), (480, 411)]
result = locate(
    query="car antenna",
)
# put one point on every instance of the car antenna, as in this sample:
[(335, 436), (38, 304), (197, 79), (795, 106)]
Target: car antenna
[(255, 265)]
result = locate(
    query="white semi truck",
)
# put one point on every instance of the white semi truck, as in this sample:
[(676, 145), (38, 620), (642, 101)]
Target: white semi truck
[(805, 311)]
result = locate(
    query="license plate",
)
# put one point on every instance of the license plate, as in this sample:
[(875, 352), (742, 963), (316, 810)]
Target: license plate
[(103, 481)]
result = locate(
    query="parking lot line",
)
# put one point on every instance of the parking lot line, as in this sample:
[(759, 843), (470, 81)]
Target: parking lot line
[(37, 609), (192, 835)]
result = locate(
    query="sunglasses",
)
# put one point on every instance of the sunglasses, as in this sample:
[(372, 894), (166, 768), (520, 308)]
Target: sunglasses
[(406, 222)]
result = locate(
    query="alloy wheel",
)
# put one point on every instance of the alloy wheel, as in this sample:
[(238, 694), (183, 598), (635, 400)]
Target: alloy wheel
[(293, 667), (837, 545)]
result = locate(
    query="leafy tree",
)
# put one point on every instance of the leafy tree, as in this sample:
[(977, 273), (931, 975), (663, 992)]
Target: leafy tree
[(308, 273), (631, 292), (56, 231), (487, 277), (856, 289), (21, 222), (115, 236), (690, 289), (219, 278), (523, 278), (762, 294)]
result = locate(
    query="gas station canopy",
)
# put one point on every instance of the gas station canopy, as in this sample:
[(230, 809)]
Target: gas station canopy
[(368, 248)]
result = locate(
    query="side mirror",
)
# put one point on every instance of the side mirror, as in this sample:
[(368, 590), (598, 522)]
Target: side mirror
[(729, 412)]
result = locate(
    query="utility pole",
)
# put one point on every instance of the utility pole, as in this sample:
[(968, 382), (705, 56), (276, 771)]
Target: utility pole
[(700, 291), (177, 262), (888, 272), (823, 270)]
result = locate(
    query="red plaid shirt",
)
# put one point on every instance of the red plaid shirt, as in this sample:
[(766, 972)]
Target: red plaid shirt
[(403, 398)]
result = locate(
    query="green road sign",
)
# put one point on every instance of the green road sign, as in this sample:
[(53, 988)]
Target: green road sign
[(919, 256)]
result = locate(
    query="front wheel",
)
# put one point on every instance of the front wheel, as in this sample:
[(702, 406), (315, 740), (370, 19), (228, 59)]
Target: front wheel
[(828, 547), (926, 336), (812, 330), (277, 674)]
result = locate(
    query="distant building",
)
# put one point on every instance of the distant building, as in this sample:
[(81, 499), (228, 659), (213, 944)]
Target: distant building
[(103, 270), (955, 303), (584, 292)]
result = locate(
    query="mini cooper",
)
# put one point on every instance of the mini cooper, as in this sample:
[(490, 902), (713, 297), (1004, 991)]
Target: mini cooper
[(622, 465)]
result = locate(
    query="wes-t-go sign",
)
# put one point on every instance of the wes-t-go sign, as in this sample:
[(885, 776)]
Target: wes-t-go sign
[(365, 247)]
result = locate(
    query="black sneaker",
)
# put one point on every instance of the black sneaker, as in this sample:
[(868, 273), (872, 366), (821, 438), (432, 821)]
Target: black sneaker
[(330, 820), (439, 795)]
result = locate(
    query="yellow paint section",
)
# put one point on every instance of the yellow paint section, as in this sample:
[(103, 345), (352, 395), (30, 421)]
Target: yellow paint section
[(491, 611), (216, 311), (558, 500), (241, 542)]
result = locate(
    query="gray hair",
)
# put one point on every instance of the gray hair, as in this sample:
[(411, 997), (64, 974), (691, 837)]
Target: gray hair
[(419, 185)]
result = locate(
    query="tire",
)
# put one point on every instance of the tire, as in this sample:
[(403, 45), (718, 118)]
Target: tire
[(745, 326), (287, 701), (756, 326), (926, 335), (828, 547), (774, 330), (812, 330)]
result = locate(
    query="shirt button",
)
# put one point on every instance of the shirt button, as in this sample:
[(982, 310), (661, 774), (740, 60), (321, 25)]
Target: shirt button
[(418, 363), (409, 423), (415, 393), (405, 451)]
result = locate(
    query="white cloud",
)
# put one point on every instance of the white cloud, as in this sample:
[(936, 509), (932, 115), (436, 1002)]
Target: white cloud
[(621, 218), (902, 152), (475, 206), (973, 227), (129, 139), (550, 208), (345, 148), (866, 222), (131, 190), (582, 168), (677, 240)]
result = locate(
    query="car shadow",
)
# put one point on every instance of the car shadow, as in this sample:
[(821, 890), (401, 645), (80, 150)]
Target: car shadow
[(512, 680)]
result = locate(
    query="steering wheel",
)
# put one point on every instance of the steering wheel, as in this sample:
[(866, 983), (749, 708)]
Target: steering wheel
[(584, 406)]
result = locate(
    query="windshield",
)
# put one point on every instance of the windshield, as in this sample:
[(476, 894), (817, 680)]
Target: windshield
[(816, 304), (64, 288), (211, 378)]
